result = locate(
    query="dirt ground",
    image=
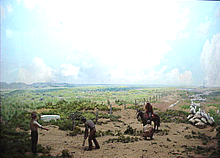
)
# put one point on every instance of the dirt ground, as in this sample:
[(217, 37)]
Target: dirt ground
[(171, 145)]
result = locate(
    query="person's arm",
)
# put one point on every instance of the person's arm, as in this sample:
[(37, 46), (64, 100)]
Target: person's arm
[(40, 126), (86, 133), (44, 128)]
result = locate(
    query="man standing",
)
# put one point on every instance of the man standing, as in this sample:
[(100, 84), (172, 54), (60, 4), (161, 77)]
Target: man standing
[(89, 124), (34, 134)]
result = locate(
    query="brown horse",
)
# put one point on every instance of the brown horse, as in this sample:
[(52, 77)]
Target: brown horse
[(146, 119)]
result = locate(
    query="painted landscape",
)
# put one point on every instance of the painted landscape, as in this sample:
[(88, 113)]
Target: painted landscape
[(114, 110)]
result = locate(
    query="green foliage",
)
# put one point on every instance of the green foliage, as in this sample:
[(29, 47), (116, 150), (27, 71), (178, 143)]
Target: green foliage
[(209, 151), (65, 153), (185, 107), (17, 144), (77, 130), (104, 133), (205, 139), (130, 130), (173, 116), (122, 139), (216, 117), (215, 105)]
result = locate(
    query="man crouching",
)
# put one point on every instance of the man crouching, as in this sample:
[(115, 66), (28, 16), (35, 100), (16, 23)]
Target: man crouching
[(89, 124)]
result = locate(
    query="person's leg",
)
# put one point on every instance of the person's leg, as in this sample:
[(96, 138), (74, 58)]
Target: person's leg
[(34, 139), (91, 136), (95, 141), (150, 116)]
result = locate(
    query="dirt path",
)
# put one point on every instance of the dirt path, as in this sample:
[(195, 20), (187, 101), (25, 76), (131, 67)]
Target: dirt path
[(171, 145)]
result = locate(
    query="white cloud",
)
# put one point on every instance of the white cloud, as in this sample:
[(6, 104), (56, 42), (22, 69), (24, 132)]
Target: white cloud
[(210, 60), (37, 72), (127, 39), (204, 28), (31, 4), (2, 12), (9, 34), (162, 76), (174, 77), (218, 12), (69, 70), (128, 33), (9, 8)]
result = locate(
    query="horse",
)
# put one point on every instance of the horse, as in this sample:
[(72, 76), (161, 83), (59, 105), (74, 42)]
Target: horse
[(146, 119)]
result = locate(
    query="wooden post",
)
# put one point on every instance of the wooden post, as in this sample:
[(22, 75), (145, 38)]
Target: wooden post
[(72, 117), (150, 99), (73, 127), (124, 105), (110, 109), (135, 103), (96, 115)]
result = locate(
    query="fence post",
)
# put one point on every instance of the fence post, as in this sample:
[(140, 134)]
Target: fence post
[(135, 103), (73, 124), (124, 105), (96, 115), (110, 109), (150, 99)]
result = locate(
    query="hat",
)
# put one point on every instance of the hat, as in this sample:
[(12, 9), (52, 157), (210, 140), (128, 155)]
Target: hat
[(33, 114), (83, 118), (148, 103)]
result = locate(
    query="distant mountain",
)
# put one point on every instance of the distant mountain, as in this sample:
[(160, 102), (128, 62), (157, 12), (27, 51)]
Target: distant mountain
[(48, 84), (20, 85), (14, 85)]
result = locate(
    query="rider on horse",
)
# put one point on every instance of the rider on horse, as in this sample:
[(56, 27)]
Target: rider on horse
[(149, 110)]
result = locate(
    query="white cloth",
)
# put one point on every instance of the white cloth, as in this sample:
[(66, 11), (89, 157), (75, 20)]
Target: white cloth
[(34, 125)]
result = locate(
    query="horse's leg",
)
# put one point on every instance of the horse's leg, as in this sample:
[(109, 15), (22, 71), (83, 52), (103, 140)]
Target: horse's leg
[(157, 125), (154, 125)]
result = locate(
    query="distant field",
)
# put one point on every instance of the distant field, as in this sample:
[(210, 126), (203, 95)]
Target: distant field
[(16, 101)]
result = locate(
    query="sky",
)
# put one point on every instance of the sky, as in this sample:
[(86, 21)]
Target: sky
[(111, 42)]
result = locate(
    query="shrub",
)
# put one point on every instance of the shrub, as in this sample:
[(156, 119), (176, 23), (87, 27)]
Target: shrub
[(65, 153)]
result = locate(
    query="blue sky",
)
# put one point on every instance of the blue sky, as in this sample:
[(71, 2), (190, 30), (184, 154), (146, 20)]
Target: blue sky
[(112, 42)]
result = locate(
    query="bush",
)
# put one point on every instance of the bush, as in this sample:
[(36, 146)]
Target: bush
[(174, 116), (76, 131), (65, 153), (130, 130)]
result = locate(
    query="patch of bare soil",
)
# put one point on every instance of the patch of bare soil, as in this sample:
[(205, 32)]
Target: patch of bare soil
[(171, 145)]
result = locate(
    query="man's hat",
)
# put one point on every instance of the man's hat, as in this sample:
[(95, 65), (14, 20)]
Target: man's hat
[(33, 114)]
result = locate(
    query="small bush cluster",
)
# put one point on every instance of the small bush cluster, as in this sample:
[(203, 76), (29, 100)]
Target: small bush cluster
[(122, 139), (130, 130), (65, 153), (209, 151), (185, 107), (104, 133), (173, 116), (77, 130), (205, 139)]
